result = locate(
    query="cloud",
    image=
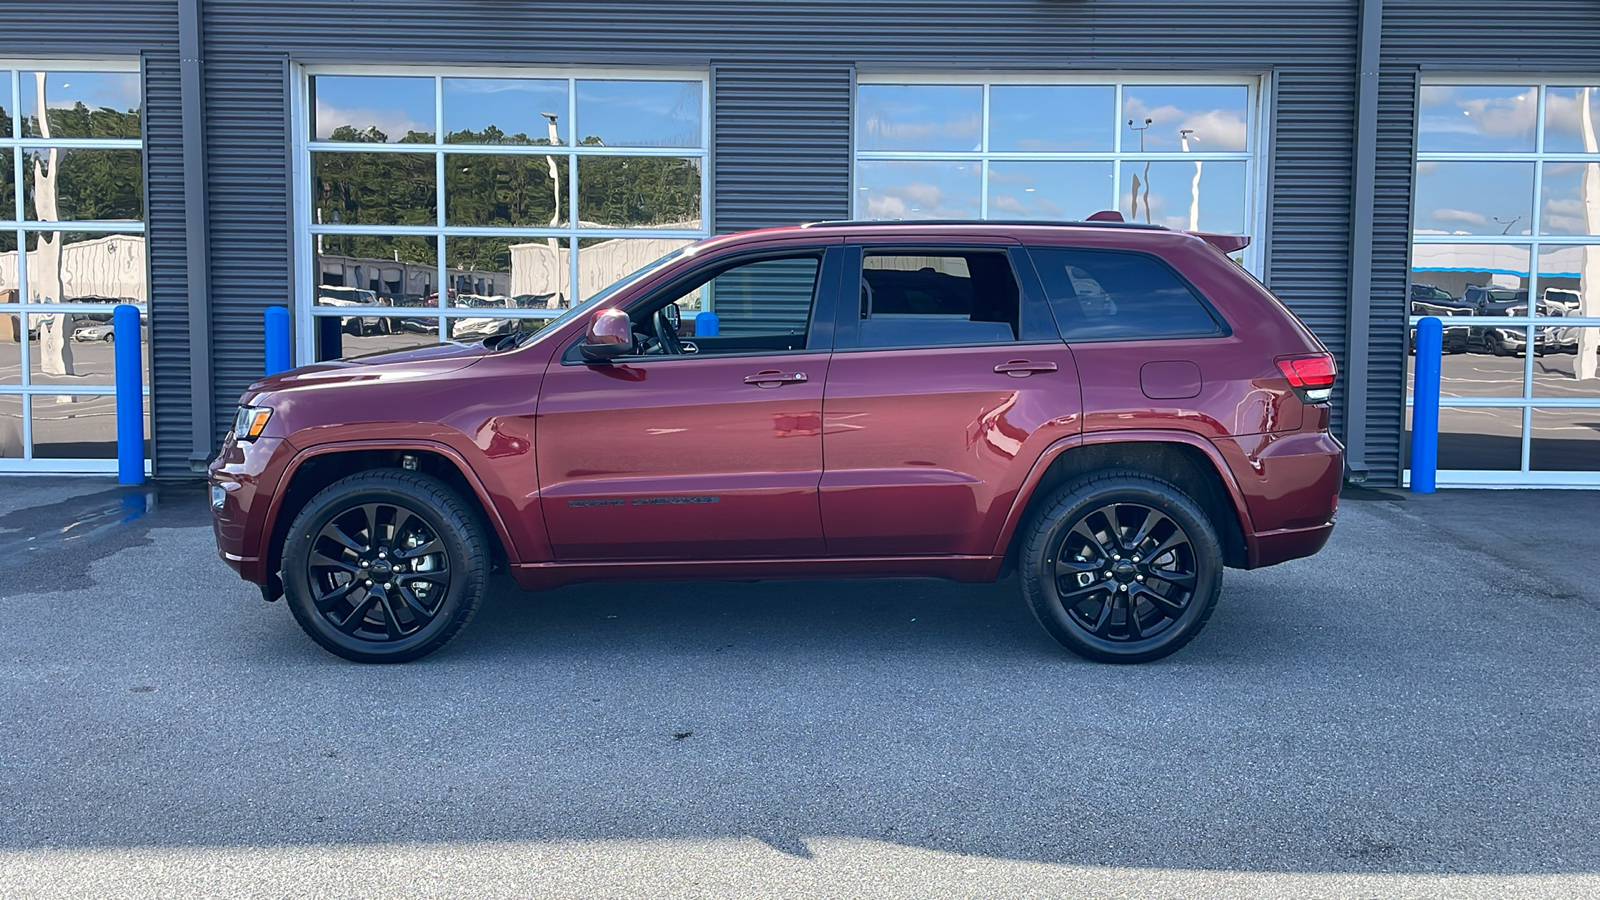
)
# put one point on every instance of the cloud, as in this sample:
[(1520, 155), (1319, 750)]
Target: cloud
[(1460, 215), (1564, 216), (394, 123), (918, 200), (1562, 114), (892, 133), (1214, 129), (1008, 203)]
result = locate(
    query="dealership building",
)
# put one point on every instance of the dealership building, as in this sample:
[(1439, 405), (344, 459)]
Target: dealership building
[(401, 172)]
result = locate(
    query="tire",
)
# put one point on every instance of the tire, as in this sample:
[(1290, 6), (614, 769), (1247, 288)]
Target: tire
[(330, 555), (111, 338), (1080, 594)]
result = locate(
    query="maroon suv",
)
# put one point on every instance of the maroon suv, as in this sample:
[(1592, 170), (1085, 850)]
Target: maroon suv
[(1115, 411)]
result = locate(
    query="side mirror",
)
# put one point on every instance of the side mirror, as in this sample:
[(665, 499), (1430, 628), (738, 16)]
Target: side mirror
[(610, 335)]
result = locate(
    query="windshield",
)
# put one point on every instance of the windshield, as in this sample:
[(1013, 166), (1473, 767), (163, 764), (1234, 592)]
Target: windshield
[(1506, 296), (1429, 292), (605, 292)]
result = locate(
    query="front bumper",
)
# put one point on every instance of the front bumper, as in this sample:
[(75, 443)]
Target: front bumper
[(247, 474)]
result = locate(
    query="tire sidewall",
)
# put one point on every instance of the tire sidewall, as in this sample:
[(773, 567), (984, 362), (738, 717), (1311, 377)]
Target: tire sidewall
[(1059, 517), (465, 578)]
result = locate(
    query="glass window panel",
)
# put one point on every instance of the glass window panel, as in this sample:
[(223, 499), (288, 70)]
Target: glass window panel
[(1454, 268), (1474, 198), (82, 185), (489, 322), (1563, 440), (8, 185), (505, 111), (10, 347), (364, 335), (769, 297), (6, 125), (1570, 201), (511, 190), (1216, 116), (85, 267), (1567, 129), (639, 113), (11, 426), (8, 267), (80, 104), (484, 272), (919, 117), (1170, 194), (1035, 118), (1477, 437), (1569, 280), (1049, 190), (77, 348), (376, 270), (374, 188), (75, 426), (1470, 369), (639, 192), (1567, 367), (372, 109), (1477, 118), (917, 190), (602, 261)]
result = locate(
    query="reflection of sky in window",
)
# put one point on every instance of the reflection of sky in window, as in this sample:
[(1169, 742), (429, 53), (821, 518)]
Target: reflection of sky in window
[(5, 99), (917, 190), (1563, 120), (640, 113), (62, 90), (515, 106), (1564, 211), (1474, 198), (1171, 191), (919, 117), (394, 106), (1480, 118), (1049, 190), (1051, 117), (1217, 114)]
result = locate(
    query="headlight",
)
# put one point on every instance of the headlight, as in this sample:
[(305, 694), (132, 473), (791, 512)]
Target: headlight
[(250, 422)]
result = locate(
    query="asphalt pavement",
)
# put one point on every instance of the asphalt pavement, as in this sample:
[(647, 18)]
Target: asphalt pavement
[(1412, 713)]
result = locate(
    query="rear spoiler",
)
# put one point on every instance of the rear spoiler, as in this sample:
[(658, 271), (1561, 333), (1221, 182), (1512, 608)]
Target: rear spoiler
[(1227, 243)]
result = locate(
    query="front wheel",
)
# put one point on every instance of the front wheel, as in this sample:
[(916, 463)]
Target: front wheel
[(385, 566), (1121, 567)]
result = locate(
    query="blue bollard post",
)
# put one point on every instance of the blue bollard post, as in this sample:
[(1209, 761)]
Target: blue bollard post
[(277, 331), (1425, 406), (707, 324), (130, 395)]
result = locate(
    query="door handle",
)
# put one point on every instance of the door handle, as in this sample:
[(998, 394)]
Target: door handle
[(1022, 368), (772, 378)]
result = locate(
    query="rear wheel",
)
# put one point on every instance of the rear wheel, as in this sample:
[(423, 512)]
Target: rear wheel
[(385, 566), (1121, 567)]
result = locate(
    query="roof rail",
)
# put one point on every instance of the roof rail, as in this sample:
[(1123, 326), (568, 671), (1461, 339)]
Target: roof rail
[(1012, 222)]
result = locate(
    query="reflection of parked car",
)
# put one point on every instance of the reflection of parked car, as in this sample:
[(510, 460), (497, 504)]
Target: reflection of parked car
[(1569, 301), (332, 295), (1428, 300), (96, 332), (1019, 426)]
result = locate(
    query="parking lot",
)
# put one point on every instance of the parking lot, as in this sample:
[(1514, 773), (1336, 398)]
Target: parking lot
[(1411, 713)]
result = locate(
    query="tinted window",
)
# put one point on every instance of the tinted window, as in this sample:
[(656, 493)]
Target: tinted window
[(1102, 294), (923, 300), (763, 305)]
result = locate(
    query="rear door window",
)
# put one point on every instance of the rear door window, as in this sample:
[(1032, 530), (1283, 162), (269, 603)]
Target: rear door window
[(1107, 295), (930, 299)]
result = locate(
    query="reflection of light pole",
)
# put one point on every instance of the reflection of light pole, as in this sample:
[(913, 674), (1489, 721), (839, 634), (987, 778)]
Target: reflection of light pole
[(1507, 228), (1141, 130), (555, 211), (1194, 189)]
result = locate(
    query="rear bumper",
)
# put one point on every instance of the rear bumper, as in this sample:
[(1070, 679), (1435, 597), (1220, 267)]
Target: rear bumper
[(1273, 547)]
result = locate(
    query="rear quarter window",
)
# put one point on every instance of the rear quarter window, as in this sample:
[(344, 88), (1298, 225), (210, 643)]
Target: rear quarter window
[(1105, 295)]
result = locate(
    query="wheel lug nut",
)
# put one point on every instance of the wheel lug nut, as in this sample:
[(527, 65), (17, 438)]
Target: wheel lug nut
[(369, 582), (1136, 559), (383, 554), (387, 585), (1122, 587), (1116, 556), (1138, 578)]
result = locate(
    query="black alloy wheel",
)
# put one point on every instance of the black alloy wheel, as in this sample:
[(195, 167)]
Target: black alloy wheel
[(1122, 567), (384, 566)]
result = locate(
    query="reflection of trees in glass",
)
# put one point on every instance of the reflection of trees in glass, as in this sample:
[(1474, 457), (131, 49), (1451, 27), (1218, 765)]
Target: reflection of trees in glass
[(79, 121), (624, 191), (91, 184)]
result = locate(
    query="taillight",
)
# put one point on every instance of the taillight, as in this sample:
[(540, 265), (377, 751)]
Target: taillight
[(1311, 377)]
